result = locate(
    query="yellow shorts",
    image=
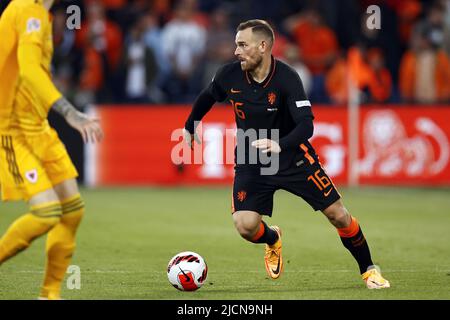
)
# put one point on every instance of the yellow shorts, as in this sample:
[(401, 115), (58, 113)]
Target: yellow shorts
[(30, 164)]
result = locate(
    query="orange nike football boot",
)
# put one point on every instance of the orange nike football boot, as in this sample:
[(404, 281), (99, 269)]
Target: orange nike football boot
[(273, 259), (374, 279)]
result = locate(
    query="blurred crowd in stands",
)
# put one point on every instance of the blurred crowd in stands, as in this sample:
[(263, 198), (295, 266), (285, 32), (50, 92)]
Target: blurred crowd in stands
[(163, 51)]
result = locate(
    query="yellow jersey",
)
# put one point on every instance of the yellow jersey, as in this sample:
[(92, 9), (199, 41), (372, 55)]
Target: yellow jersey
[(26, 49)]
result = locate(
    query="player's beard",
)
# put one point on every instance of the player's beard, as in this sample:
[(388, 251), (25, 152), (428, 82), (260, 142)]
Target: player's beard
[(252, 64)]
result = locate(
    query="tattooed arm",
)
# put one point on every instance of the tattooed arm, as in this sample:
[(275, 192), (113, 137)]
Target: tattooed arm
[(88, 127)]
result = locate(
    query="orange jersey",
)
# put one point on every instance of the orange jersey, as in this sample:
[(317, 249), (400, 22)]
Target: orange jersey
[(26, 49)]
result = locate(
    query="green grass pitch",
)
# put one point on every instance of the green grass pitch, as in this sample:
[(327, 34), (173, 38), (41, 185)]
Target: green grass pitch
[(129, 235)]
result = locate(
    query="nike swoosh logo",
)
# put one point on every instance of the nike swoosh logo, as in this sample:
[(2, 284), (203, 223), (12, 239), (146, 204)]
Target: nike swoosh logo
[(277, 270), (185, 275), (235, 91), (327, 193), (377, 283)]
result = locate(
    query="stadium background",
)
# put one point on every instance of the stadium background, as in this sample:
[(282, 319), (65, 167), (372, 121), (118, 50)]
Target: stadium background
[(139, 65), (155, 55)]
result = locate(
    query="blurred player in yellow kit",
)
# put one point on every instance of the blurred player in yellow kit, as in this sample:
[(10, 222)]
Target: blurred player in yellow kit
[(34, 164)]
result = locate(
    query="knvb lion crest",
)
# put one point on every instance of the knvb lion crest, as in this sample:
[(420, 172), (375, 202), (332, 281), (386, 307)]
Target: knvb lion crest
[(271, 97), (241, 195)]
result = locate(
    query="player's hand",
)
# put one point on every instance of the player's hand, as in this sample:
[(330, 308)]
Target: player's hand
[(267, 145), (190, 138), (89, 127)]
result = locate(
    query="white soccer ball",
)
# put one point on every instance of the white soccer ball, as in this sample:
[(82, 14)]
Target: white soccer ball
[(187, 271)]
